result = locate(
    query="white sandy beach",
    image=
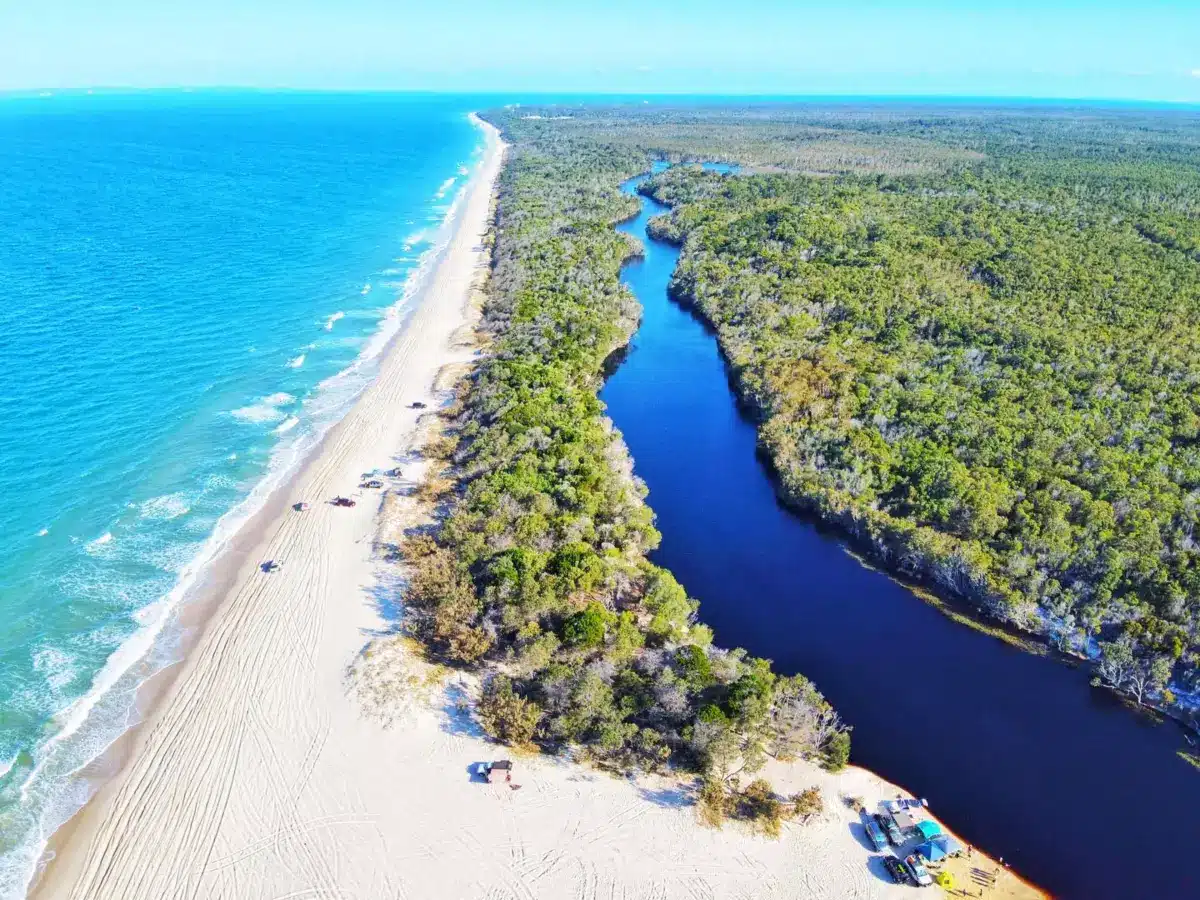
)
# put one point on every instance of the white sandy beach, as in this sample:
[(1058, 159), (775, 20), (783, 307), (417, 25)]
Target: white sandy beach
[(285, 763)]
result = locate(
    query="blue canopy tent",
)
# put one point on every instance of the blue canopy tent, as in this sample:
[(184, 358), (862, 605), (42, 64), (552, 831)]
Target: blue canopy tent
[(928, 829), (931, 851), (940, 847)]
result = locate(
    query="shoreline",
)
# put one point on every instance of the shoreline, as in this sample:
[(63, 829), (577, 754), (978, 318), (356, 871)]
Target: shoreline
[(255, 773), (146, 663), (236, 566)]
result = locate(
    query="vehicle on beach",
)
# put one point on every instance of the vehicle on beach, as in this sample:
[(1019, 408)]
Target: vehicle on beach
[(896, 869), (500, 770), (342, 501), (416, 404), (373, 483), (875, 833), (269, 566), (918, 871), (299, 507), (894, 835), (393, 473)]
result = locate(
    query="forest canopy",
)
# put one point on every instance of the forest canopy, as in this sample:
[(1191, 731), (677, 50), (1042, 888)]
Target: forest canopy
[(975, 345), (537, 573)]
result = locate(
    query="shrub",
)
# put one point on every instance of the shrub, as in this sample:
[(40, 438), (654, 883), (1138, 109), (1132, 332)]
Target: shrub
[(712, 803), (505, 716), (587, 629), (694, 666), (761, 807), (837, 751), (809, 803)]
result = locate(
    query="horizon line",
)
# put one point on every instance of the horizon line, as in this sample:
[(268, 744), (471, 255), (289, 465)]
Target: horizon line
[(942, 97)]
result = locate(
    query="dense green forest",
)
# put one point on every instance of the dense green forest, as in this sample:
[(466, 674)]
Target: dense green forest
[(536, 574), (972, 338)]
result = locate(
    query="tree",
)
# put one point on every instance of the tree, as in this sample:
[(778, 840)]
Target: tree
[(837, 751), (587, 629), (1117, 663), (669, 606), (803, 724), (505, 716), (1149, 677), (714, 742), (626, 639)]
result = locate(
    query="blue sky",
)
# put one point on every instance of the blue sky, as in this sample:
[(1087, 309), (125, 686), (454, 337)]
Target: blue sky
[(1053, 48)]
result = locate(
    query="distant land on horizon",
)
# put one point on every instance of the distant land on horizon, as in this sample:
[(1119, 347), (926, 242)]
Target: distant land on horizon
[(600, 98)]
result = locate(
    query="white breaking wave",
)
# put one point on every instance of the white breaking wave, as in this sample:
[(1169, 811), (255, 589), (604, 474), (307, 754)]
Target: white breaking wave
[(287, 425), (266, 410), (366, 289), (329, 322), (43, 532), (93, 546), (446, 185), (168, 506), (56, 666), (297, 362)]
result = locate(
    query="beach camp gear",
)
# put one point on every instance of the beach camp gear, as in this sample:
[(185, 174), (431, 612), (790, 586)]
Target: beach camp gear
[(932, 851), (928, 829), (952, 846)]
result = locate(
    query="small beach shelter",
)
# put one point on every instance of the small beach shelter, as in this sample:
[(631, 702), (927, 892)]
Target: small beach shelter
[(944, 879), (904, 820), (932, 851), (929, 829), (950, 845)]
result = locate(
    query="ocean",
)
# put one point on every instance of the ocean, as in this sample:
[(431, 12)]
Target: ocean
[(193, 288)]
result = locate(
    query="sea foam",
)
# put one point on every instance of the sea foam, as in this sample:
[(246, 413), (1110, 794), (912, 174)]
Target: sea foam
[(266, 410), (96, 545), (165, 508)]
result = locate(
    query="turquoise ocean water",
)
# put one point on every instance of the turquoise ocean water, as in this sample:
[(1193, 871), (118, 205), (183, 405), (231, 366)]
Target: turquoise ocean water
[(193, 286)]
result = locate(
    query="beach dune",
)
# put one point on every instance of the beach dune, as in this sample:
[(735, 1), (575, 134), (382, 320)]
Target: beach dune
[(287, 761)]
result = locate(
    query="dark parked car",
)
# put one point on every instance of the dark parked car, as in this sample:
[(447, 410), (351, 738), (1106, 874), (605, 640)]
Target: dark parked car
[(875, 834), (895, 869), (891, 829)]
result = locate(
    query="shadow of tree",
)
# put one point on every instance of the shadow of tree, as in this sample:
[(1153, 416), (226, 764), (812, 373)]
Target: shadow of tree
[(457, 715), (674, 796), (387, 596)]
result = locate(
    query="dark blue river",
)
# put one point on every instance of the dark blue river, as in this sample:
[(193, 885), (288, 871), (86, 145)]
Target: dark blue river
[(1016, 752)]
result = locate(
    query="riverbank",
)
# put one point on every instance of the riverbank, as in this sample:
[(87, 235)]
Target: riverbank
[(1006, 745)]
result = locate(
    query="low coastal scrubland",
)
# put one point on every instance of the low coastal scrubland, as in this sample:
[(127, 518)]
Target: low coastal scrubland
[(536, 574)]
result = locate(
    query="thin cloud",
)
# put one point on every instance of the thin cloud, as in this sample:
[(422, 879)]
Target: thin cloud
[(1196, 73)]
